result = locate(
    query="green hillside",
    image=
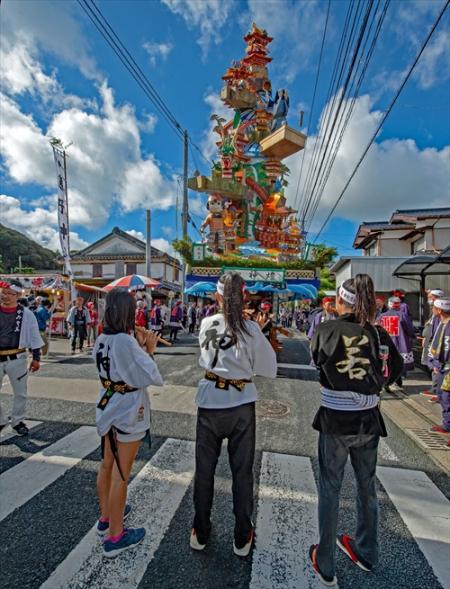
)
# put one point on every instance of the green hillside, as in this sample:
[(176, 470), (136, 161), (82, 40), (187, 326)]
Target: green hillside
[(14, 244)]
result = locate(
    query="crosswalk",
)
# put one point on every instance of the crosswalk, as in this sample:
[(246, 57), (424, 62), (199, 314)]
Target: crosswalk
[(67, 552)]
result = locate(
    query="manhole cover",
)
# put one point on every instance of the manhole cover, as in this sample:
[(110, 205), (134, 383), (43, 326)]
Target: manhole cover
[(268, 408), (428, 439)]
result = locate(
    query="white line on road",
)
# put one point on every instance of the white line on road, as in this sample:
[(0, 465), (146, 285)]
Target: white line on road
[(425, 511), (22, 482), (297, 366), (286, 524), (156, 492), (386, 452), (28, 422)]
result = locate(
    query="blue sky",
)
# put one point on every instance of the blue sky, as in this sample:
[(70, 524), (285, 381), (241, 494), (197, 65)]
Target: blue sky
[(59, 77)]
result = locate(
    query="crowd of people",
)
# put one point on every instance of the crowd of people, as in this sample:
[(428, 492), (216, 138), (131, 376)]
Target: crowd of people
[(358, 345)]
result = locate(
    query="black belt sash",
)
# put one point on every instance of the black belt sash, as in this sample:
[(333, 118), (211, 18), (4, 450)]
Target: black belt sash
[(112, 387), (225, 383)]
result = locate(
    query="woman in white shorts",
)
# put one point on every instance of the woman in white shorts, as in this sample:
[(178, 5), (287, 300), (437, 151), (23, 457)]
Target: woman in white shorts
[(123, 414)]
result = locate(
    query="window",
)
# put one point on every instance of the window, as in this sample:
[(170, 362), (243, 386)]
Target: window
[(176, 274), (131, 268), (97, 270), (418, 245)]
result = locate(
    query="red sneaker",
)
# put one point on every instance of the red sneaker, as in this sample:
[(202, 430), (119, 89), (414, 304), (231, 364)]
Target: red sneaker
[(327, 581), (427, 394), (244, 550), (433, 399), (439, 430), (344, 542)]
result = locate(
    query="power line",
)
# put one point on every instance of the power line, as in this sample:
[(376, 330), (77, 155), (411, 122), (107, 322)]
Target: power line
[(313, 101), (113, 40), (334, 84), (348, 110), (336, 113), (385, 116)]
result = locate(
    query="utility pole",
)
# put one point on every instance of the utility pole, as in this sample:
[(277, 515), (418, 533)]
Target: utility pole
[(184, 215), (185, 187), (148, 248)]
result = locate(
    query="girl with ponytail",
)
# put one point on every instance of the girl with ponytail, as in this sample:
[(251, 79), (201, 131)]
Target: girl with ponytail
[(355, 360), (232, 350)]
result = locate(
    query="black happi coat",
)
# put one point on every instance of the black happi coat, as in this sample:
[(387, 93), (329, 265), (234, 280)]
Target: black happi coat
[(347, 356)]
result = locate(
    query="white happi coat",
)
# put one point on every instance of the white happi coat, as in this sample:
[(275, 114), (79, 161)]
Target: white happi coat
[(120, 358)]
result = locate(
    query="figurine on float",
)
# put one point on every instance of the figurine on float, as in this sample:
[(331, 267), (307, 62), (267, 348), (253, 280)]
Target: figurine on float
[(215, 222), (280, 110)]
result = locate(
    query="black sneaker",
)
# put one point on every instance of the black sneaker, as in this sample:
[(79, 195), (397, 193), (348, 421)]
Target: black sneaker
[(327, 581), (346, 543), (21, 429)]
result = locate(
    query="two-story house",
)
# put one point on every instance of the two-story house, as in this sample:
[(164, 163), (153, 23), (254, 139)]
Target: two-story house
[(408, 232), (385, 245), (119, 254)]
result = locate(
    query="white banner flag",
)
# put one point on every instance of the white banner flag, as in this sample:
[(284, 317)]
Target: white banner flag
[(63, 209)]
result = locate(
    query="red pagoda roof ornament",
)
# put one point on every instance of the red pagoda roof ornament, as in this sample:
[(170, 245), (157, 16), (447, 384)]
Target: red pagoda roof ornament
[(258, 34)]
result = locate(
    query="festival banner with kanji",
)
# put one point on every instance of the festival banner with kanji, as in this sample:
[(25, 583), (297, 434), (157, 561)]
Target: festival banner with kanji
[(63, 208), (391, 324)]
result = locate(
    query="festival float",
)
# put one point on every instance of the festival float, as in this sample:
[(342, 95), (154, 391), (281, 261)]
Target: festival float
[(249, 226)]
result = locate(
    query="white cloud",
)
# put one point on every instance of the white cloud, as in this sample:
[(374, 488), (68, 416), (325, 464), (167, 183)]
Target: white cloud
[(38, 224), (168, 230), (163, 245), (208, 143), (49, 26), (136, 234), (149, 123), (209, 16), (434, 65), (157, 52), (395, 173), (104, 163)]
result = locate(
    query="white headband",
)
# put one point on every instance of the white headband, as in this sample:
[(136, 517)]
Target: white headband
[(348, 296), (220, 287), (443, 304), (437, 293)]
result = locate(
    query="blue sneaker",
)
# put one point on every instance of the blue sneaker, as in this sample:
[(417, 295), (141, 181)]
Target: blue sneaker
[(103, 527), (132, 537)]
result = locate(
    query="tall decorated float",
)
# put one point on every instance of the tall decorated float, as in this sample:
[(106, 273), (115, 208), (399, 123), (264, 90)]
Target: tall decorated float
[(249, 226)]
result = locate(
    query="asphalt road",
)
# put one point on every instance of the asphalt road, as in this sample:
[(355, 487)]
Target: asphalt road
[(40, 533)]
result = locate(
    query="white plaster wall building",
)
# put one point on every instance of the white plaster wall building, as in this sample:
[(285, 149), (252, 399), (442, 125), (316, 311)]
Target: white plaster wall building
[(119, 254)]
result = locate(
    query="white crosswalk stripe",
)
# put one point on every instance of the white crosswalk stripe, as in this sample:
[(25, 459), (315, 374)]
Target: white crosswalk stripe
[(287, 518), (286, 521), (158, 490), (425, 511), (22, 482)]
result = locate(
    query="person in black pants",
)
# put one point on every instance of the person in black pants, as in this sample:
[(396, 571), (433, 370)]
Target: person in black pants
[(355, 360), (78, 320), (233, 350)]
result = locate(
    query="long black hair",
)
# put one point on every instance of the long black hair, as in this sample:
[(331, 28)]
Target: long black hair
[(233, 304), (120, 312), (365, 305)]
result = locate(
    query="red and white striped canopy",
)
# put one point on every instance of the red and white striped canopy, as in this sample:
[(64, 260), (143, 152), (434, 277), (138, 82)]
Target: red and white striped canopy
[(132, 282)]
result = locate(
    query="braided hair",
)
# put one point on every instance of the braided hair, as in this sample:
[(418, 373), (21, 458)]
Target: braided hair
[(365, 305), (233, 304)]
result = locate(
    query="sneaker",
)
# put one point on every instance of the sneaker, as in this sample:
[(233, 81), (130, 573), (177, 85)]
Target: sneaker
[(433, 399), (103, 527), (438, 429), (344, 542), (327, 581), (427, 394), (245, 549), (131, 537), (195, 544), (21, 429)]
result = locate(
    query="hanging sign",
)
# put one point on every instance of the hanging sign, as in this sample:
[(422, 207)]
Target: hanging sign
[(259, 274), (198, 252), (63, 208)]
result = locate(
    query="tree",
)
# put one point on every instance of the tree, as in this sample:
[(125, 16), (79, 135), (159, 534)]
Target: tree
[(323, 255)]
